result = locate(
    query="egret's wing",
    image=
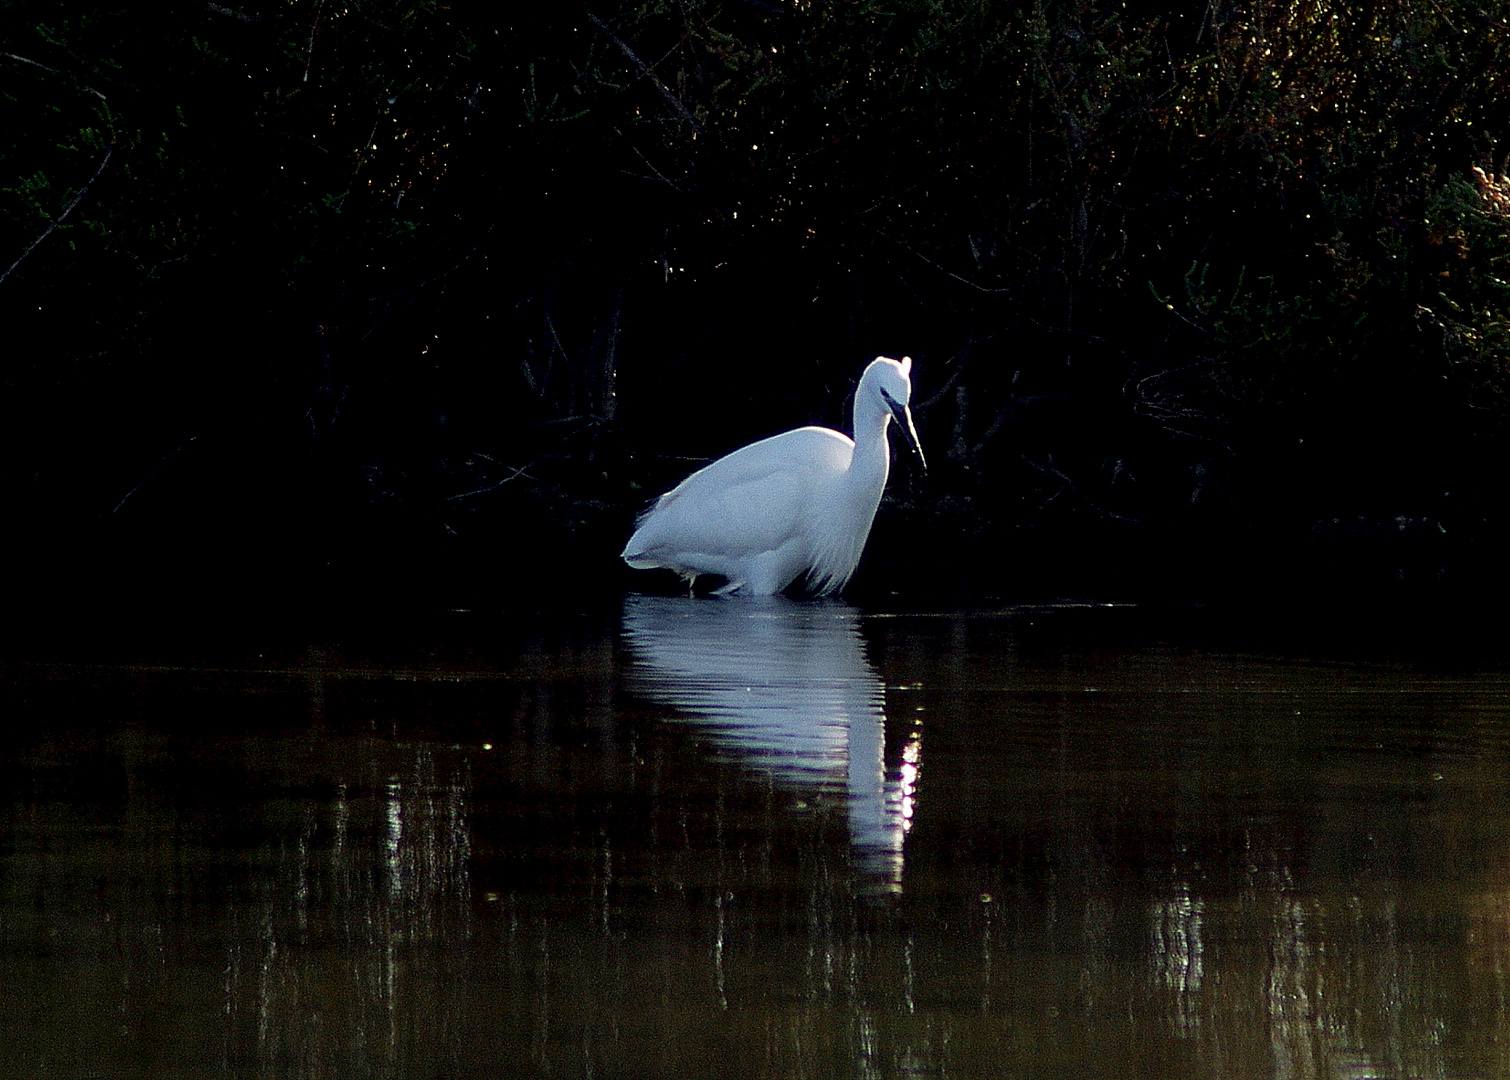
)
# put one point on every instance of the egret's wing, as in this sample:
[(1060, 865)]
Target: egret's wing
[(747, 502)]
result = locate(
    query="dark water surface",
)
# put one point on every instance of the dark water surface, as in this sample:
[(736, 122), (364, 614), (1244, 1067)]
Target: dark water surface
[(702, 839)]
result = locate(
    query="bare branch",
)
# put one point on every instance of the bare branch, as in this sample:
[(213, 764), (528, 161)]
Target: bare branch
[(50, 70), (916, 254), (55, 222), (232, 13), (515, 475), (161, 465), (645, 70), (314, 28)]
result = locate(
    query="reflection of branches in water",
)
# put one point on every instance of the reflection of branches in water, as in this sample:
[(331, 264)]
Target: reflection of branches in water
[(378, 870), (1318, 986), (1326, 1014), (1126, 867), (1177, 956)]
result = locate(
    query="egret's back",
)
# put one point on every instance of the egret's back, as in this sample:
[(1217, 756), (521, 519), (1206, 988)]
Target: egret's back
[(750, 511)]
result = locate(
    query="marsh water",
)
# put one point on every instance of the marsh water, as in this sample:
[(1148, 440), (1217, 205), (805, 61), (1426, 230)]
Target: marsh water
[(675, 838)]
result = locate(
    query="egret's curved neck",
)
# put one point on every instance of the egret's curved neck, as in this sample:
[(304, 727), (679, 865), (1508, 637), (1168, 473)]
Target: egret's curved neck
[(872, 458)]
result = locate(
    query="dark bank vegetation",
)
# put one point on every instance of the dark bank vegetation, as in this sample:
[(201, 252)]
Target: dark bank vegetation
[(405, 290)]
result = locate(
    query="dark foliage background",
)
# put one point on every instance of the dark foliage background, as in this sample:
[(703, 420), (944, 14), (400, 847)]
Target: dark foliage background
[(425, 299)]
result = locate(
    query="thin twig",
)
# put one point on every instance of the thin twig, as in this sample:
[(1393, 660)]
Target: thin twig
[(55, 222), (517, 473), (941, 269), (1068, 485), (161, 465), (232, 13), (955, 371), (314, 28), (433, 278), (647, 72), (49, 70)]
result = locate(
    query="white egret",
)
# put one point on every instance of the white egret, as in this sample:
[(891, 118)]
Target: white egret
[(799, 503)]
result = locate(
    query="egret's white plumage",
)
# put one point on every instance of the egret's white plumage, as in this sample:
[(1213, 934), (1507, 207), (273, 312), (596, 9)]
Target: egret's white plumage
[(799, 503)]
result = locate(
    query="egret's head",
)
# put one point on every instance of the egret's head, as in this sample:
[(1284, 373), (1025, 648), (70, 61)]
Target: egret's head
[(893, 380)]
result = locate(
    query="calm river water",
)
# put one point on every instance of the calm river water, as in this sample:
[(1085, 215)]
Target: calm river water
[(681, 838)]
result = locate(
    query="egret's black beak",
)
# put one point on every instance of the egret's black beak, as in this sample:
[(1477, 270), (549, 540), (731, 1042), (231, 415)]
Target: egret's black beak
[(903, 416)]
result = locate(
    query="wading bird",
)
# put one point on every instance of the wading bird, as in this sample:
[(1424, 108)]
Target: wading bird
[(798, 504)]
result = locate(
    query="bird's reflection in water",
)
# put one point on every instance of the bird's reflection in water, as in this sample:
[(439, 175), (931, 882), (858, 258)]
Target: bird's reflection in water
[(783, 688)]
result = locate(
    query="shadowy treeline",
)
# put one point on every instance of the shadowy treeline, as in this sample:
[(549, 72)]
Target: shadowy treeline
[(433, 296)]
